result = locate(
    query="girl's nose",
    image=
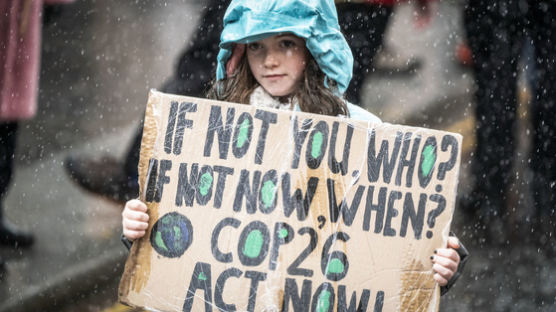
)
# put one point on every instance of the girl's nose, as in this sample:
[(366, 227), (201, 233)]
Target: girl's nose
[(271, 60)]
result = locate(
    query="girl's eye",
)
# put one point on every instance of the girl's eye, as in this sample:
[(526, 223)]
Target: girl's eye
[(286, 43), (254, 46)]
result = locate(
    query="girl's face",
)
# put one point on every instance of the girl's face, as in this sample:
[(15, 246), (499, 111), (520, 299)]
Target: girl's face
[(278, 63)]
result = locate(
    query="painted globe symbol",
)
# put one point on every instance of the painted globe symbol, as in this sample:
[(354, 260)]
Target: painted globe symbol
[(171, 235)]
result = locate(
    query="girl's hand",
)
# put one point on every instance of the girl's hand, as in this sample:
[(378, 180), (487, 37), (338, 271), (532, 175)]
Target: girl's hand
[(134, 219), (446, 261)]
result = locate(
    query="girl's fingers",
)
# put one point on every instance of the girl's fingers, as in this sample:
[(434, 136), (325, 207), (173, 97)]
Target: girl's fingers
[(135, 210), (135, 219), (134, 225), (135, 215), (448, 253), (136, 205), (440, 280), (453, 242), (443, 271), (448, 263), (133, 235)]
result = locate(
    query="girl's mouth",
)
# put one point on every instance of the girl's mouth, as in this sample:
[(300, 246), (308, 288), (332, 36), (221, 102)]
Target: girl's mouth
[(275, 76)]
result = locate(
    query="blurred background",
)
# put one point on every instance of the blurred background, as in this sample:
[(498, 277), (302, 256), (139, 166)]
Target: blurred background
[(98, 61)]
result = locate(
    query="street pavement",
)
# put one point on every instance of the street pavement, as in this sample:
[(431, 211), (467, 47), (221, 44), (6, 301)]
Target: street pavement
[(99, 60)]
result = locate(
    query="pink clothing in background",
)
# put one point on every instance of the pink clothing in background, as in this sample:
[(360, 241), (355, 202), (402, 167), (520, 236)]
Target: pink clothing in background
[(20, 46)]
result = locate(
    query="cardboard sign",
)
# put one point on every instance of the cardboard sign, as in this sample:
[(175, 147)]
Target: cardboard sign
[(255, 209)]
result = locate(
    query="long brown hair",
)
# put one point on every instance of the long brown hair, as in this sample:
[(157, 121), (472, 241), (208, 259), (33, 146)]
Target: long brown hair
[(313, 96)]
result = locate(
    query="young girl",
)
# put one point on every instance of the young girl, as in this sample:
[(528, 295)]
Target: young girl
[(288, 55)]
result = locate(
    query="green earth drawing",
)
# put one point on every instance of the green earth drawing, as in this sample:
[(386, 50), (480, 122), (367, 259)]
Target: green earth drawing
[(171, 235)]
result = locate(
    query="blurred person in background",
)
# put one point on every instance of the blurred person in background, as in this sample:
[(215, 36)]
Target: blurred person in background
[(363, 22), (117, 179), (20, 44), (496, 33)]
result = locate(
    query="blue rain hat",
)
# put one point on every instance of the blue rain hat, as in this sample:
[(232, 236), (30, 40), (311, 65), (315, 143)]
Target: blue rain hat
[(316, 21)]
